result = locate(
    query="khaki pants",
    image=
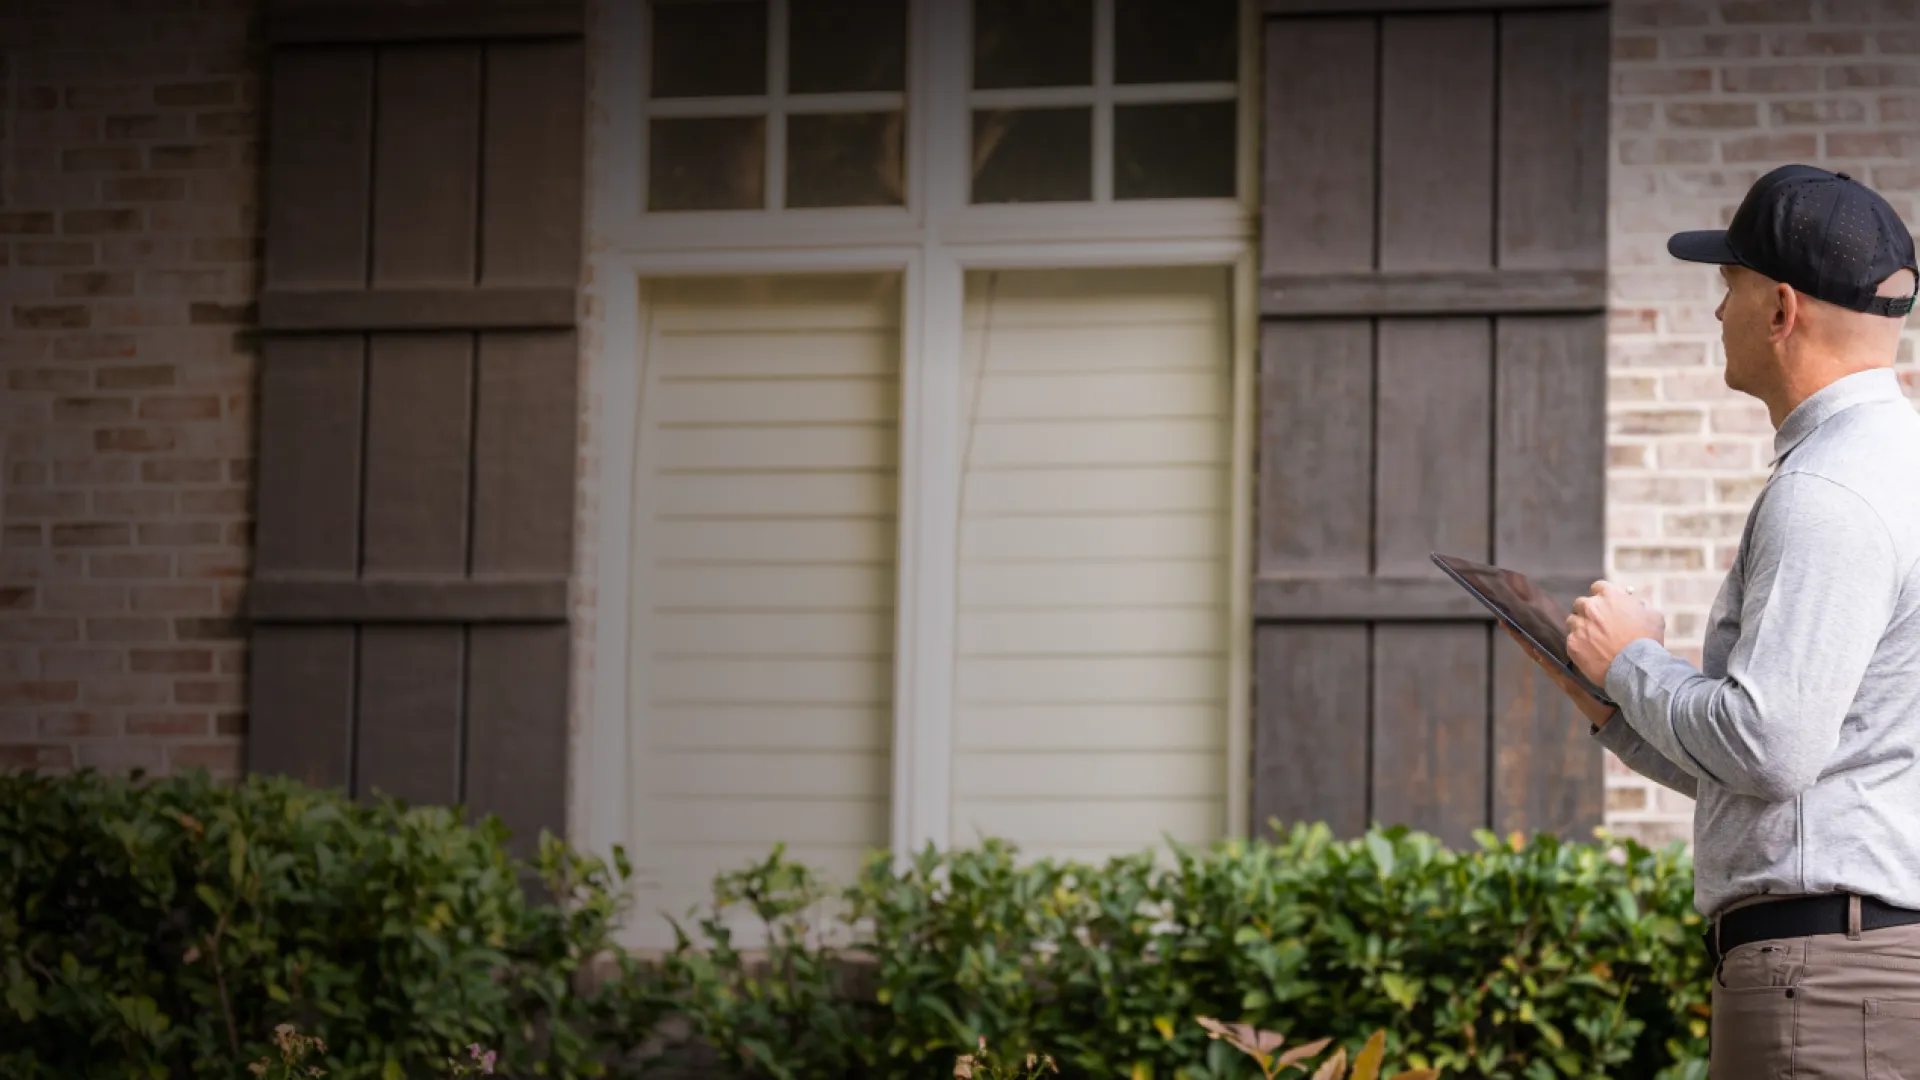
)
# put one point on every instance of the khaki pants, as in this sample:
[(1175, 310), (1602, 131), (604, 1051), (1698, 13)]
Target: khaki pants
[(1826, 1007)]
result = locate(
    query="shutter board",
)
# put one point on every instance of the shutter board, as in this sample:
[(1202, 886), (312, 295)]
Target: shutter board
[(426, 173), (321, 131), (1435, 384), (410, 596)]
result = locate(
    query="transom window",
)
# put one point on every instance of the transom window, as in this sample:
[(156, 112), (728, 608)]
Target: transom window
[(768, 105)]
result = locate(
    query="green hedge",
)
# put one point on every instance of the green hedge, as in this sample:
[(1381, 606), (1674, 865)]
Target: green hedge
[(164, 928), (1531, 959)]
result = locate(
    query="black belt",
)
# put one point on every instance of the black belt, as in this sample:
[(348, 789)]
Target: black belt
[(1801, 917)]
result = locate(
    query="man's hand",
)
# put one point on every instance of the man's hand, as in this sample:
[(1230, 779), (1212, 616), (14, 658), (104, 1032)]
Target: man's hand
[(1596, 713), (1605, 623)]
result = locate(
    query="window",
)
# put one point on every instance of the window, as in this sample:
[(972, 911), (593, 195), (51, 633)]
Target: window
[(1098, 100), (772, 104), (785, 105)]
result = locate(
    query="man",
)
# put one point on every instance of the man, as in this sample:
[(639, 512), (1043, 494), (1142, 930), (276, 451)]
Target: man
[(1800, 734)]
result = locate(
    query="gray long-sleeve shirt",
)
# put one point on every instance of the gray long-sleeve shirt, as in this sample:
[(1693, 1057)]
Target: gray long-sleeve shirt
[(1798, 737)]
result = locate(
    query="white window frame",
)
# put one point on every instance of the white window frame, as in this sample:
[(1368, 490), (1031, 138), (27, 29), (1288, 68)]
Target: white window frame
[(932, 243)]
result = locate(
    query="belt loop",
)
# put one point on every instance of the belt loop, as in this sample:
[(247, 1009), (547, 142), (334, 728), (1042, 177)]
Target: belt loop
[(1853, 916)]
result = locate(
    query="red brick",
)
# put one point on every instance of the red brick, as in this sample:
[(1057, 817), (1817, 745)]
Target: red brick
[(84, 222), (54, 253), (124, 690), (1713, 114), (212, 314), (1735, 12), (1660, 13), (80, 663), (218, 759), (26, 223), (206, 629), (146, 377), (119, 757), (1657, 422), (232, 724), (1821, 111), (140, 312), (96, 347), (1740, 490), (139, 503), (51, 317), (143, 127), (1635, 48), (225, 125), (172, 599), (1817, 43), (16, 598), (1742, 420), (127, 628), (45, 505), (1717, 46), (207, 692), (78, 725), (95, 283), (1903, 110), (15, 537), (180, 471), (82, 597), (196, 156), (1770, 80), (39, 630), (134, 440), (144, 250), (129, 565), (37, 758), (26, 474), (167, 723), (93, 98), (222, 565), (1705, 526), (1656, 490), (194, 94), (93, 470), (1872, 144), (1897, 41), (98, 159), (92, 410), (144, 189), (227, 501), (1626, 456), (1849, 76), (172, 661), (236, 249), (1717, 456), (180, 534), (95, 534), (1659, 558), (38, 692), (1663, 81), (180, 408)]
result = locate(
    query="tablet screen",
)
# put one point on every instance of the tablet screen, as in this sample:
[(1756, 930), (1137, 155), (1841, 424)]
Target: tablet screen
[(1531, 611)]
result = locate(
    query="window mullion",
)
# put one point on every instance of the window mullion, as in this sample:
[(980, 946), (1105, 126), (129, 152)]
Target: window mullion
[(777, 37), (1103, 101)]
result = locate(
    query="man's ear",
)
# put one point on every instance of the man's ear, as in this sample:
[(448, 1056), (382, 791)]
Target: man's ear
[(1785, 314)]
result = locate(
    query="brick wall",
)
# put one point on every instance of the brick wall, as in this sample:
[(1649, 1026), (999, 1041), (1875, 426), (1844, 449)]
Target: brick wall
[(1709, 94), (128, 249)]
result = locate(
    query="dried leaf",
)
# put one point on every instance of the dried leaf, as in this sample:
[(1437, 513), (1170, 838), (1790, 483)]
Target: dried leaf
[(1418, 1074), (1367, 1065), (964, 1067), (1302, 1053), (1333, 1067)]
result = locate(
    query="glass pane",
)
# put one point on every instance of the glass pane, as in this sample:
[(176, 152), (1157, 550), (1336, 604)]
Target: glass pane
[(1032, 155), (1181, 151), (846, 46), (707, 163), (1163, 41), (709, 49), (1032, 43), (845, 159)]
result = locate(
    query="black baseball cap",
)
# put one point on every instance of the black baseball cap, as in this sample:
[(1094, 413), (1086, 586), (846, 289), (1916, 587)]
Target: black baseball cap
[(1824, 233)]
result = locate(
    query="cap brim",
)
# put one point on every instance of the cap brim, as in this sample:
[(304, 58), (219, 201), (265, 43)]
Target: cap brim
[(1702, 246)]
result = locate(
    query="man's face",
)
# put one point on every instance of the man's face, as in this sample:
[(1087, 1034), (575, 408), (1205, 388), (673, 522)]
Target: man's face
[(1746, 317)]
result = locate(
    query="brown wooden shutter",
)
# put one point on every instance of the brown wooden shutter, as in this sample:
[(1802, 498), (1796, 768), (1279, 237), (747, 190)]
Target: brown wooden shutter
[(418, 399), (1433, 378)]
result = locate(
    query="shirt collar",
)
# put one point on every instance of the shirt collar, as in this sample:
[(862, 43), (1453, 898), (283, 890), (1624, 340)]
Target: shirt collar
[(1859, 388)]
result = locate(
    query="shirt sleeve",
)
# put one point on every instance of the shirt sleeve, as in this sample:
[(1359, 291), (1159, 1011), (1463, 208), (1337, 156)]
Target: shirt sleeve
[(1820, 581), (1638, 754)]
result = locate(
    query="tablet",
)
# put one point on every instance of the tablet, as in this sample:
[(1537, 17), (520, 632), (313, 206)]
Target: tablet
[(1516, 601)]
